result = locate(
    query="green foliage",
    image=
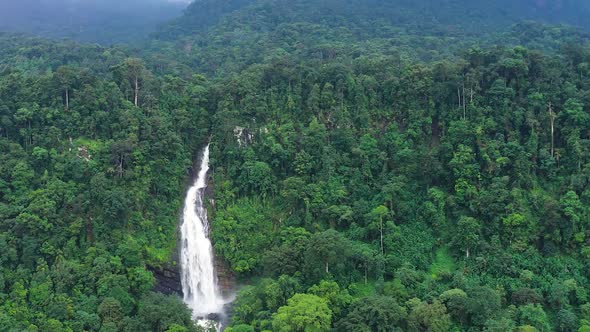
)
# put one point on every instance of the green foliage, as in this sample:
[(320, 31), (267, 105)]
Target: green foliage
[(425, 316), (337, 299), (534, 315), (240, 328), (443, 264), (374, 314), (88, 188), (159, 313), (242, 232), (304, 313), (371, 170)]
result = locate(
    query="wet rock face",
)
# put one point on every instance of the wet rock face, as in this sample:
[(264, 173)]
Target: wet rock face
[(243, 136), (168, 277), (167, 280), (225, 277)]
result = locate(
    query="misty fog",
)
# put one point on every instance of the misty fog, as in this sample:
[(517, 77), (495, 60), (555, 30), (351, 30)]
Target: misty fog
[(85, 20)]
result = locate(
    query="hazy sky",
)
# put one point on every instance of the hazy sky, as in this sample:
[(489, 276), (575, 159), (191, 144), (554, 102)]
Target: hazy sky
[(101, 21)]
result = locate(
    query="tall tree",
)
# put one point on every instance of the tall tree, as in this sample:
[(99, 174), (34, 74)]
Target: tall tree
[(131, 72), (65, 76)]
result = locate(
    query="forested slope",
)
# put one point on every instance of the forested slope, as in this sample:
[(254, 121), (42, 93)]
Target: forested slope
[(400, 174), (252, 32), (430, 193), (376, 166), (90, 186)]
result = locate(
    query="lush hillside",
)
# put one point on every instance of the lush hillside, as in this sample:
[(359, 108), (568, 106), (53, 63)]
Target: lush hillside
[(421, 197), (90, 186), (399, 171), (308, 30), (199, 16), (376, 166)]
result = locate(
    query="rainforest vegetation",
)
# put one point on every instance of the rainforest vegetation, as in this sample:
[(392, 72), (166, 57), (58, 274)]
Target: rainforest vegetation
[(375, 166)]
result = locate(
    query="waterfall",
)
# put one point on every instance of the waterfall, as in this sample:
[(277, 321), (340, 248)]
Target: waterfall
[(199, 280)]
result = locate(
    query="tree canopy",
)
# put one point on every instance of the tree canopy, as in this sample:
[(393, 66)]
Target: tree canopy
[(375, 166)]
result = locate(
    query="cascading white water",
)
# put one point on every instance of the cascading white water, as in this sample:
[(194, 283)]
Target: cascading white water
[(199, 281)]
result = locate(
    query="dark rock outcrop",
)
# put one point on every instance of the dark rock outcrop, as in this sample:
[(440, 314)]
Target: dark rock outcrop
[(225, 277), (167, 279)]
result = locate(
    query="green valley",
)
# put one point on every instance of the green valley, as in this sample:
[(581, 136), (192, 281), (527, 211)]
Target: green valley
[(377, 165)]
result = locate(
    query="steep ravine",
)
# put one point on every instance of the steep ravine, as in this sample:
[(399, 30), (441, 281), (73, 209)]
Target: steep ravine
[(208, 293)]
